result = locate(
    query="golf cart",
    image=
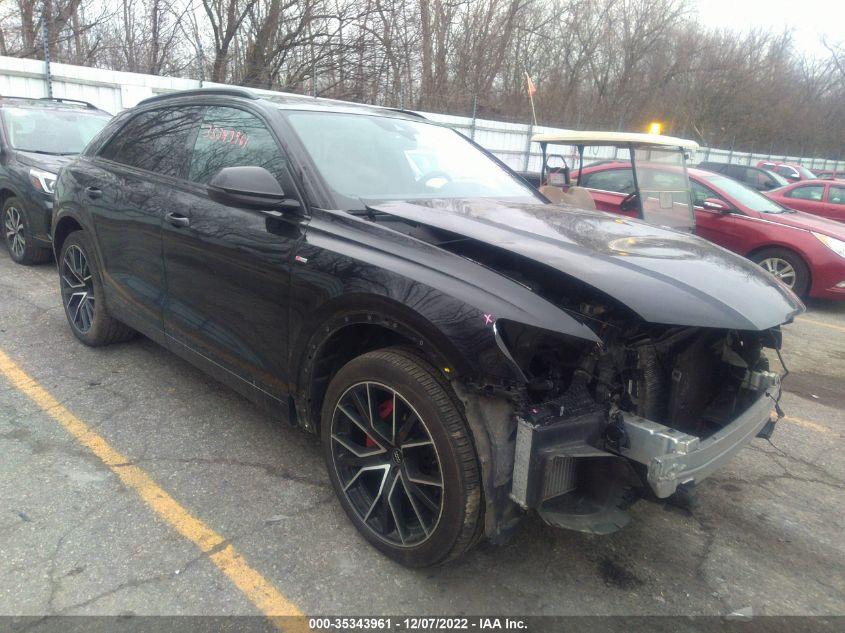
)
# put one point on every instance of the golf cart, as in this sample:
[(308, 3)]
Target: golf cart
[(658, 190)]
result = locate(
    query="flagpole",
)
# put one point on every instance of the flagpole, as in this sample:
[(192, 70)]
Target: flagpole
[(531, 88)]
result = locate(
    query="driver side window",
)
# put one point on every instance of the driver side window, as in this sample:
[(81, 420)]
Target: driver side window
[(616, 180), (230, 137), (700, 193)]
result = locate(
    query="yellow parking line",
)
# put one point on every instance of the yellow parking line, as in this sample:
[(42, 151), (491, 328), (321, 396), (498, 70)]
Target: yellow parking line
[(813, 426), (254, 586), (838, 328)]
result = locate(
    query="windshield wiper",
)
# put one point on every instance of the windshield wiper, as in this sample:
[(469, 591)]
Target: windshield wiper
[(42, 151), (368, 212)]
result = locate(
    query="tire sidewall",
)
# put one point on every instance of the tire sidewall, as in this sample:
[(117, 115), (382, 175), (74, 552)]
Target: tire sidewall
[(447, 531), (94, 334)]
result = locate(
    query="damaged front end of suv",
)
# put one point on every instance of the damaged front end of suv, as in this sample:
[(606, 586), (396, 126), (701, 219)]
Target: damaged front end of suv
[(647, 410), (666, 380)]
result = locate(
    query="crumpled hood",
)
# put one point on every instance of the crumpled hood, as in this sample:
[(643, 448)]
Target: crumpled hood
[(48, 162), (662, 275)]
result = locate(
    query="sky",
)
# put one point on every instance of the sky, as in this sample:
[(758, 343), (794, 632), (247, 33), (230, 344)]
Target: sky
[(810, 19)]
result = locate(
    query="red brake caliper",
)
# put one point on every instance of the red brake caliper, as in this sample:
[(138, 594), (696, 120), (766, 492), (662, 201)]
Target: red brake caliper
[(385, 409)]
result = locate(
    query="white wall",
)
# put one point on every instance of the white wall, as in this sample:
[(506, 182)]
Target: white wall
[(114, 91)]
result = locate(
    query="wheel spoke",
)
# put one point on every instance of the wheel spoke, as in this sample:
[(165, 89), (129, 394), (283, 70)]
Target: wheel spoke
[(396, 512), (378, 496), (414, 505)]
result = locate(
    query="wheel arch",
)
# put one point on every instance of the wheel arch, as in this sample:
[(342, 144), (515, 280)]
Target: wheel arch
[(364, 324), (64, 227), (791, 249), (5, 194)]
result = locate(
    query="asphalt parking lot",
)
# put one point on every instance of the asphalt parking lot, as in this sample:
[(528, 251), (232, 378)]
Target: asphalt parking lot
[(76, 537)]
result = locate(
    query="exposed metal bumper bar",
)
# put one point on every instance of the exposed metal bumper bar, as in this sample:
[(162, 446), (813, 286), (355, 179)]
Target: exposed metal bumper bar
[(674, 458)]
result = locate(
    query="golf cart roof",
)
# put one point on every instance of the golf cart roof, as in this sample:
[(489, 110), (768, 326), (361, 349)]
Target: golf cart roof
[(620, 139)]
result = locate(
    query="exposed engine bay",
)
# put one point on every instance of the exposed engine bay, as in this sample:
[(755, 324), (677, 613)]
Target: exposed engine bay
[(694, 380)]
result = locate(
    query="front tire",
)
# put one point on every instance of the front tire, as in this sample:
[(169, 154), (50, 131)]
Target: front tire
[(786, 266), (18, 236), (401, 459), (82, 295)]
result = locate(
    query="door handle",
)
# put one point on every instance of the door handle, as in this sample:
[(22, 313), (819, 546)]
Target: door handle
[(177, 219), (93, 192)]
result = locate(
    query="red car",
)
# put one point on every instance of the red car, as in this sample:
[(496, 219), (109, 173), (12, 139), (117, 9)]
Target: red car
[(819, 197), (793, 172), (806, 252)]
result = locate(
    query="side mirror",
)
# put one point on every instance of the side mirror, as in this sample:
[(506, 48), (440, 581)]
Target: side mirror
[(249, 187), (714, 204)]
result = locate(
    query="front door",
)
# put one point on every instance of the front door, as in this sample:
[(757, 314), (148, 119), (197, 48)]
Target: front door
[(228, 269)]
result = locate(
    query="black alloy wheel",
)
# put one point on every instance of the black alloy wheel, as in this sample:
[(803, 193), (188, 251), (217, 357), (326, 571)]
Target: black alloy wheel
[(77, 284), (82, 294), (387, 463), (401, 458)]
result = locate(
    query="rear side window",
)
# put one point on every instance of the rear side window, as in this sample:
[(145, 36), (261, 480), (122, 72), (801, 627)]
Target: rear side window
[(618, 180), (814, 192), (737, 172), (230, 137), (156, 140), (836, 195), (785, 170)]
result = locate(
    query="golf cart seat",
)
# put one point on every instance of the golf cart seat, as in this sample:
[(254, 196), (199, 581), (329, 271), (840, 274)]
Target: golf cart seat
[(575, 196)]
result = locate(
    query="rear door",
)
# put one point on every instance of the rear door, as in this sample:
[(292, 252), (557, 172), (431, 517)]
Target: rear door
[(808, 198), (836, 202), (228, 269), (128, 192)]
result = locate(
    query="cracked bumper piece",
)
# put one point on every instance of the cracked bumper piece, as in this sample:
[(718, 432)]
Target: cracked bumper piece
[(575, 477), (674, 458)]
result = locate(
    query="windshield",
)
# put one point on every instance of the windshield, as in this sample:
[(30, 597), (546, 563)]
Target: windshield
[(366, 157), (51, 131), (779, 180), (746, 196), (805, 173)]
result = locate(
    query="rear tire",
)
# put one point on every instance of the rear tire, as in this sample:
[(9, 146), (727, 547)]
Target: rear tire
[(406, 473), (17, 235), (82, 295), (786, 266)]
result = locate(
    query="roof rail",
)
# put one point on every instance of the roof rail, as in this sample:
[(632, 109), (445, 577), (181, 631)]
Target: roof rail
[(88, 105), (230, 92), (408, 112)]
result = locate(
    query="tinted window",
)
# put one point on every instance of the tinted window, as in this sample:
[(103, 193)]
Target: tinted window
[(230, 137), (814, 192), (735, 171), (787, 171), (155, 140), (70, 130), (619, 180), (836, 195)]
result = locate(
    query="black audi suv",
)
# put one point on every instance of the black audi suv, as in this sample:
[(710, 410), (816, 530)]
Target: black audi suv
[(467, 352), (37, 137)]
